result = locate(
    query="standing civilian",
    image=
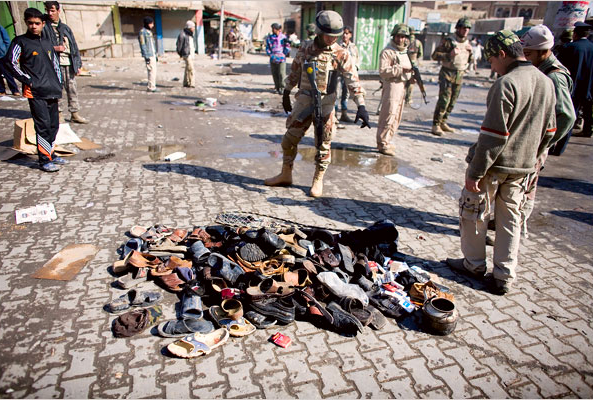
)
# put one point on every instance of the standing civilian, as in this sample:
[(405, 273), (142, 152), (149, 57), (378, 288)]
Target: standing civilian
[(148, 50), (186, 49), (278, 47)]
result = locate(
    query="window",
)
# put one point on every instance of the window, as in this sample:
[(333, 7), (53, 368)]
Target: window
[(526, 13)]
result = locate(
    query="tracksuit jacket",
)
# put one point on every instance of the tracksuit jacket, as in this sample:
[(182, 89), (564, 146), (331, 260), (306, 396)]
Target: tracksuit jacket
[(63, 31), (32, 60)]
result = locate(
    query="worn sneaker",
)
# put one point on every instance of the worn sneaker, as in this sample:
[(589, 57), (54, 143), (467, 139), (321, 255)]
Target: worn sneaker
[(499, 287), (60, 161), (49, 167), (437, 131), (457, 265)]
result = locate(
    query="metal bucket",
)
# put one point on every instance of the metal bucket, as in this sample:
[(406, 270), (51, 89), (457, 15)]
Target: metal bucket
[(439, 315)]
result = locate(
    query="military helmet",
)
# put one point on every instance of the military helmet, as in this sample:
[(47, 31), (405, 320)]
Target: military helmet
[(463, 22), (329, 23), (500, 41), (311, 29), (566, 34), (400, 29)]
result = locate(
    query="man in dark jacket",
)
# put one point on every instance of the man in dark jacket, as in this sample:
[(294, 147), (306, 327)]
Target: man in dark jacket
[(577, 57), (4, 43), (62, 38), (186, 50), (32, 60)]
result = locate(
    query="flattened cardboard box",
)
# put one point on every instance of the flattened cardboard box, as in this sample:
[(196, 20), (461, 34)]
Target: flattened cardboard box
[(25, 139)]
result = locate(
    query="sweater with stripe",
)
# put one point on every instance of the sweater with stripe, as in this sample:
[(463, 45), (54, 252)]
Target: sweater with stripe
[(519, 124)]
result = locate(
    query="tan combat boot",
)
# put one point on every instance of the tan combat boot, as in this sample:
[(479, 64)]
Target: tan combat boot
[(447, 128), (437, 131), (75, 117), (317, 186), (344, 117), (283, 179)]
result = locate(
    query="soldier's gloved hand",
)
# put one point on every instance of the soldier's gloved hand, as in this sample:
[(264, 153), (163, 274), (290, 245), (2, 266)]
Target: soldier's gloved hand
[(363, 115), (286, 101)]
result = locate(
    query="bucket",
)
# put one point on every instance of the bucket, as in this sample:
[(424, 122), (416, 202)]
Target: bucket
[(439, 315)]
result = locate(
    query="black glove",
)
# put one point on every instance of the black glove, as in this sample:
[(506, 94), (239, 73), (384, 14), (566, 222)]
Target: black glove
[(363, 115), (286, 101)]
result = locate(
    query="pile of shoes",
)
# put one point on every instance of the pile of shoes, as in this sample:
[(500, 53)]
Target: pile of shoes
[(242, 279)]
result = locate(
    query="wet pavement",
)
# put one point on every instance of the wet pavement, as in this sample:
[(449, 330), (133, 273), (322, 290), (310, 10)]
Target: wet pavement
[(56, 339)]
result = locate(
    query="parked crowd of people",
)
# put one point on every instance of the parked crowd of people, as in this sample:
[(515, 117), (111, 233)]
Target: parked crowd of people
[(531, 108)]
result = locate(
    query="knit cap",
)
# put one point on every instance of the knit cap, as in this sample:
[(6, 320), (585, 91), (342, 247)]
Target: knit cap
[(190, 24), (538, 38), (500, 41)]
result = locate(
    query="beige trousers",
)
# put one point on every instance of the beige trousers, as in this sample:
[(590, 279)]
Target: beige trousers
[(392, 106), (506, 193), (151, 69), (189, 79)]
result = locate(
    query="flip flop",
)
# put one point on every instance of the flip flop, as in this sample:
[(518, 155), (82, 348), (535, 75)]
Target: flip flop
[(237, 328), (198, 344), (133, 244), (134, 298), (183, 327), (137, 231)]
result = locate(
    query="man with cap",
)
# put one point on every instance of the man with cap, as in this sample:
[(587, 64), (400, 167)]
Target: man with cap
[(537, 44), (565, 38), (278, 47), (148, 50), (186, 49), (519, 124), (310, 31), (415, 52), (455, 54), (329, 59), (395, 71), (577, 56)]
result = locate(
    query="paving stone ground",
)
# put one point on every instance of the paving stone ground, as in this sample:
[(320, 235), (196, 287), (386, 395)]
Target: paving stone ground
[(56, 341)]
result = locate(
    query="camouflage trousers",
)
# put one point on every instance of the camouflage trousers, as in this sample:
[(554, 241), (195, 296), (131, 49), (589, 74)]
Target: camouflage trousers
[(448, 94), (297, 124), (71, 90)]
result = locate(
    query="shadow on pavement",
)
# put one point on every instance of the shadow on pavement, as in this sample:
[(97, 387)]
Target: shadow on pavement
[(244, 89), (253, 69), (402, 216), (428, 137), (575, 215), (106, 87), (566, 184), (309, 141), (214, 175), (12, 113)]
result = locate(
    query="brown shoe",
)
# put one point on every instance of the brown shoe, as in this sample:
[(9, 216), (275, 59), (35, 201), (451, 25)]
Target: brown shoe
[(458, 265), (447, 128), (437, 131)]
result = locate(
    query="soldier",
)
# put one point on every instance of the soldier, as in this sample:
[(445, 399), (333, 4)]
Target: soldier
[(395, 71), (148, 50), (330, 59), (517, 128), (310, 32), (62, 38), (537, 46), (415, 52), (455, 53)]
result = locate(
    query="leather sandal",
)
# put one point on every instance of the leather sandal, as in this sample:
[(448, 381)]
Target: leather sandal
[(143, 260), (299, 277), (269, 288)]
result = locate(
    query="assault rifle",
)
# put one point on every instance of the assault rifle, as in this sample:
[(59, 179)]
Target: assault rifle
[(310, 69), (418, 79)]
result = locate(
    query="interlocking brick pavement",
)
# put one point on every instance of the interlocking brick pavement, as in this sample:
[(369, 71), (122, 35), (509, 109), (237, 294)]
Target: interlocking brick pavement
[(56, 339)]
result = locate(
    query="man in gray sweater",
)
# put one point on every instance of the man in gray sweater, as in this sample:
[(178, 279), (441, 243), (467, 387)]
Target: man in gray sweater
[(518, 126)]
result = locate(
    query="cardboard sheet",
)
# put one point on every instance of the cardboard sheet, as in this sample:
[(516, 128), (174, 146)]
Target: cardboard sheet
[(67, 262)]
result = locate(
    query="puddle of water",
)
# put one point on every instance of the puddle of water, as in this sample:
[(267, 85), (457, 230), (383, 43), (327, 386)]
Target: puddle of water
[(374, 163), (158, 152)]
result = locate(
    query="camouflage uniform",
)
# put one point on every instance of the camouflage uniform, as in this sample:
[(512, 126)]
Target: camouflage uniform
[(415, 52), (330, 60), (451, 74)]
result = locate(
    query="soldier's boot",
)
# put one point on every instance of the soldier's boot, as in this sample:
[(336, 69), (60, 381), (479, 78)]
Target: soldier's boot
[(344, 117), (78, 118), (282, 179), (447, 128), (437, 131), (317, 186)]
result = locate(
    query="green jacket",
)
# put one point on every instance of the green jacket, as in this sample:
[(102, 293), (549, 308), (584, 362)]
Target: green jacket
[(565, 115), (518, 126)]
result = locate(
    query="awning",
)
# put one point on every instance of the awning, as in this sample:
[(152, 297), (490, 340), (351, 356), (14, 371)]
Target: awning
[(230, 15)]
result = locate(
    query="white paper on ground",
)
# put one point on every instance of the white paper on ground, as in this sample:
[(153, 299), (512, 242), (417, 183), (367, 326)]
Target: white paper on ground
[(7, 98), (470, 131), (175, 156), (410, 183), (40, 213), (66, 135)]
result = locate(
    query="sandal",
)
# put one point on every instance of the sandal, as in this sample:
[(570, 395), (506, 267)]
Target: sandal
[(168, 267), (133, 298), (183, 327), (239, 327), (172, 282), (144, 260), (269, 288), (133, 278), (198, 344)]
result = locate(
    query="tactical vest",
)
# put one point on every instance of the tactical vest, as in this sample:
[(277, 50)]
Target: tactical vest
[(461, 61), (327, 70), (403, 59)]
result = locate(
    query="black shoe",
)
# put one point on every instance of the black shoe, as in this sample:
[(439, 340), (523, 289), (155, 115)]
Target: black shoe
[(499, 287), (457, 265), (344, 322), (282, 310)]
